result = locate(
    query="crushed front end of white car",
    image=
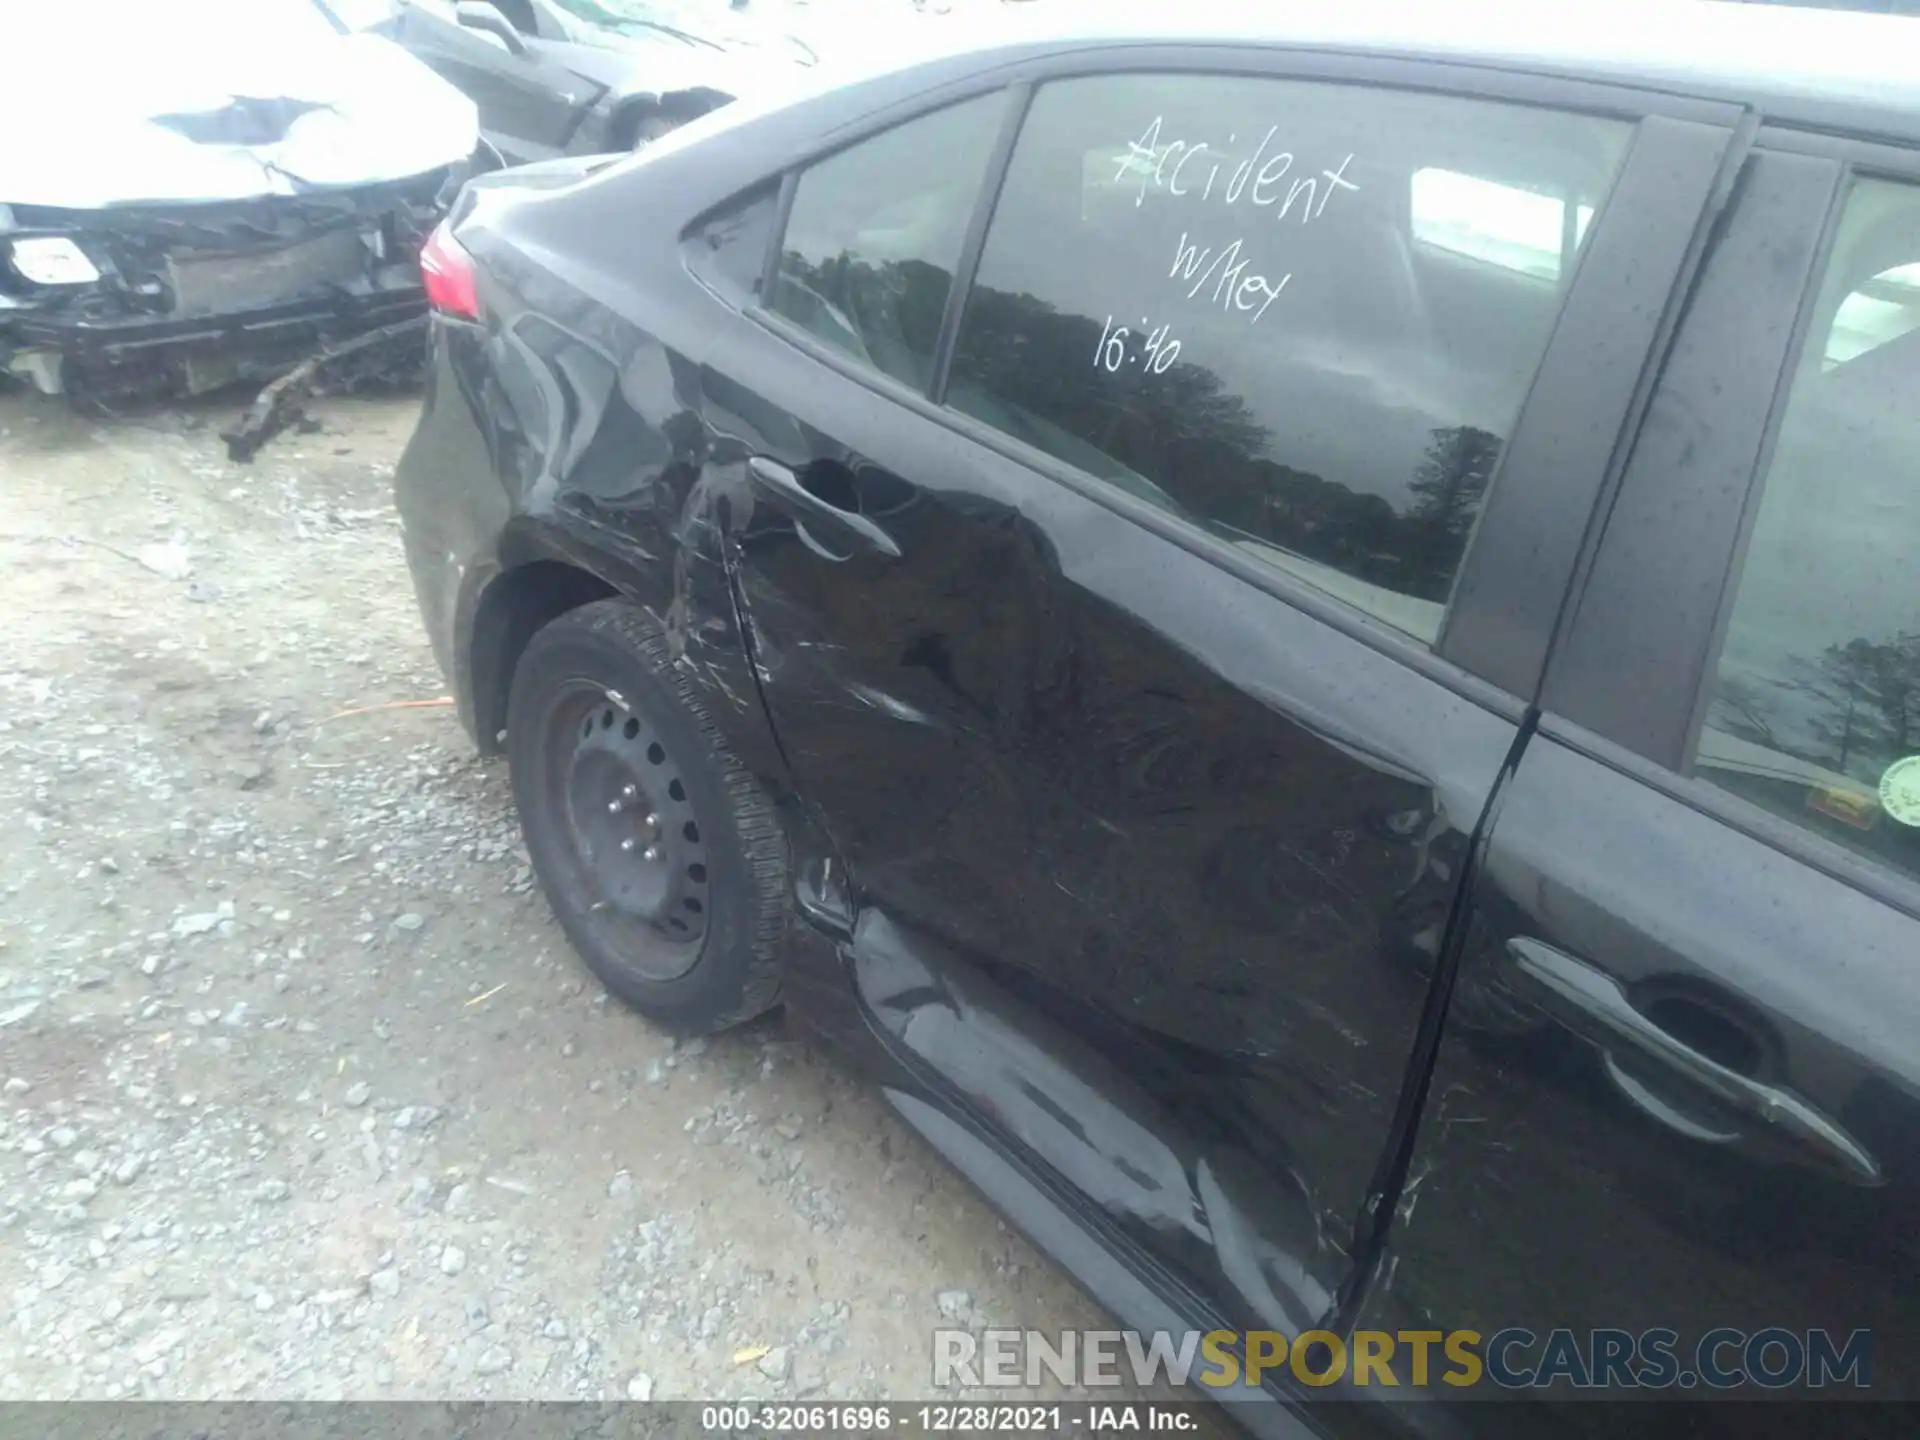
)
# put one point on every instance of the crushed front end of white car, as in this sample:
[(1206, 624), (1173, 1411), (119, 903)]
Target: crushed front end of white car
[(206, 191)]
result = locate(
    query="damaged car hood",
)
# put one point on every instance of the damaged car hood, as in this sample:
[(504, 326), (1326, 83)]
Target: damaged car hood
[(131, 101)]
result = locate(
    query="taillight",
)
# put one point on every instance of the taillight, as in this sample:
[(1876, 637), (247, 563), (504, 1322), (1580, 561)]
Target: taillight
[(447, 270)]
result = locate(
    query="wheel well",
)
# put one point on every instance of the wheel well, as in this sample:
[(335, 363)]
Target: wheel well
[(515, 607)]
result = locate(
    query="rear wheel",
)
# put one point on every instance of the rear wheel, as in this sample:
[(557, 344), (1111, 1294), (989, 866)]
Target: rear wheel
[(658, 852)]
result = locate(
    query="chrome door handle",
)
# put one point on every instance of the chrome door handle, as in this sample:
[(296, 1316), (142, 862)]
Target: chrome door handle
[(1591, 1004)]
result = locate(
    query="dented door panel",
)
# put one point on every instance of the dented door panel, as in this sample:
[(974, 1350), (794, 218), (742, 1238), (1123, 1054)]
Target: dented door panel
[(1149, 865)]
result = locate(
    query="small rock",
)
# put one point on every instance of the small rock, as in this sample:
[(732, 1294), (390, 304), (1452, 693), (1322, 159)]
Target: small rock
[(357, 1095), (262, 1301), (199, 924), (129, 1169), (62, 1137), (493, 1361), (410, 921), (452, 1260), (776, 1363), (459, 1199), (16, 1086), (384, 1284), (621, 1184), (555, 1329), (415, 1117), (272, 1191), (640, 1387), (953, 1304), (14, 1014)]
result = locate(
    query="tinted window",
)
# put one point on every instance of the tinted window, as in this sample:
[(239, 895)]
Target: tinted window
[(1246, 301), (1815, 709), (875, 234)]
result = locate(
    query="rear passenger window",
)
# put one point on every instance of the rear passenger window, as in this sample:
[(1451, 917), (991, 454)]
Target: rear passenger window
[(1300, 316), (875, 233), (1815, 707)]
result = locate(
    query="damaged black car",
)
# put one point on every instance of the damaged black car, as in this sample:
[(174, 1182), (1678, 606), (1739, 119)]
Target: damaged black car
[(223, 211)]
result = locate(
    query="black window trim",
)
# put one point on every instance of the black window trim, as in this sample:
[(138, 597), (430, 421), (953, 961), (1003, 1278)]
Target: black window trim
[(986, 203), (1019, 79), (1584, 680), (1703, 680), (1534, 542)]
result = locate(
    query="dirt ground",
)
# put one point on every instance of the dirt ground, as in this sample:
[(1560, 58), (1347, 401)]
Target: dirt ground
[(304, 1094)]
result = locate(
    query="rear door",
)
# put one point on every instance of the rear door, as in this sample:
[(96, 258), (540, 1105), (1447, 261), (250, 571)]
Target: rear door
[(1108, 609), (1677, 1110)]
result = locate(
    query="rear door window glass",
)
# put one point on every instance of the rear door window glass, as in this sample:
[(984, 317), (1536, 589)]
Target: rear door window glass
[(875, 234), (1814, 708), (1506, 225), (1302, 317)]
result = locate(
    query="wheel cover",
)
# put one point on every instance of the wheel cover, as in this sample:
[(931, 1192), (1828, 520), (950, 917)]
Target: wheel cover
[(630, 821)]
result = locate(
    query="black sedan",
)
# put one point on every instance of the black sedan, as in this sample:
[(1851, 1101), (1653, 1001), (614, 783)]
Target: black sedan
[(576, 77), (1303, 639)]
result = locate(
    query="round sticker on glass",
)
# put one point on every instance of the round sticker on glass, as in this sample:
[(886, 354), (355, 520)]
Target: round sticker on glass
[(1900, 790)]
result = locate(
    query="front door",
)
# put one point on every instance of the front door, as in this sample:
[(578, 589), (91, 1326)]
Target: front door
[(1680, 1075), (1113, 674)]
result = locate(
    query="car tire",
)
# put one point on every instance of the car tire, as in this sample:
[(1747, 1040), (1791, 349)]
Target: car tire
[(660, 855)]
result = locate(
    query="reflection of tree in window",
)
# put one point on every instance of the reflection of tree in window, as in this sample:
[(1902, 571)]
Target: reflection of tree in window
[(887, 314), (1185, 440), (1853, 708)]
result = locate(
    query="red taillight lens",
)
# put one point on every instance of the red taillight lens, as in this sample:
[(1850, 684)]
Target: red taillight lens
[(447, 270)]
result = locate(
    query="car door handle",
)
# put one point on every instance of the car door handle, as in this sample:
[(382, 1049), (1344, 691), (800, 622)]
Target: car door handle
[(782, 483), (1592, 1004)]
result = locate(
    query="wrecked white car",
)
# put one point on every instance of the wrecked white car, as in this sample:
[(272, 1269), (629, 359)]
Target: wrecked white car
[(246, 184)]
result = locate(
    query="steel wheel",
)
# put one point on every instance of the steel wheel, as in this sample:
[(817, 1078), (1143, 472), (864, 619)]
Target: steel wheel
[(638, 840), (659, 853)]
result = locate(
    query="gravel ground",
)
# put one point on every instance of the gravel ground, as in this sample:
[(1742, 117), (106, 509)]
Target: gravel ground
[(305, 1096)]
